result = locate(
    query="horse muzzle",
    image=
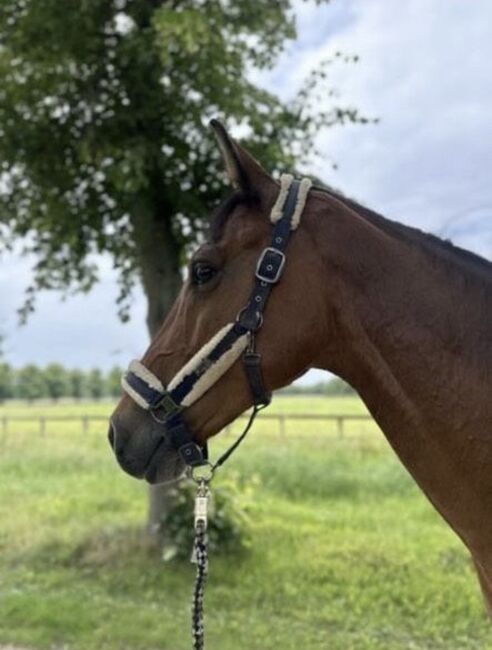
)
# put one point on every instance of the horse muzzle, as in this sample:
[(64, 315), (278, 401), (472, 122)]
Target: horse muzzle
[(144, 451)]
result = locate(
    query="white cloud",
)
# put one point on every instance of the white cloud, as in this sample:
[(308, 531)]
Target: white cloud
[(423, 71)]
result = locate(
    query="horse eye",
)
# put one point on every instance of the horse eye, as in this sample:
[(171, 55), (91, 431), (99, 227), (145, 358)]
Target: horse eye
[(202, 272)]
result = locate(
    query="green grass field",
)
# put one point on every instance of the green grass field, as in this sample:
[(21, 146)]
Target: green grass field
[(346, 553)]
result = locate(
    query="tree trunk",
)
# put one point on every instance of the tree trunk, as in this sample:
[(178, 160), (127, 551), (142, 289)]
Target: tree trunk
[(158, 258)]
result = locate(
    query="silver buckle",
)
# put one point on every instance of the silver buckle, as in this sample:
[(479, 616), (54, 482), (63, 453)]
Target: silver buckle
[(266, 278)]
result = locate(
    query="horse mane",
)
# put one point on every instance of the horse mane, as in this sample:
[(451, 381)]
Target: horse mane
[(433, 244), (451, 254)]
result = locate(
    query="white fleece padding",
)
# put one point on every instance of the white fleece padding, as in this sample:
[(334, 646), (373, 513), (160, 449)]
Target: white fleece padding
[(198, 357), (304, 188), (277, 210), (133, 394), (206, 381), (213, 374), (278, 206), (144, 373)]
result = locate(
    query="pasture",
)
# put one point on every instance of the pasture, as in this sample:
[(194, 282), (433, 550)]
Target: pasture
[(346, 553)]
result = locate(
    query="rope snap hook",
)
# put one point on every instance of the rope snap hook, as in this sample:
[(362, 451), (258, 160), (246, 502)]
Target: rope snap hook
[(202, 474)]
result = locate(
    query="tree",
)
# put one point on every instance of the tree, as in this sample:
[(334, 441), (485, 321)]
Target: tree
[(56, 381), (104, 144), (6, 382), (95, 383), (30, 383), (114, 382), (77, 384)]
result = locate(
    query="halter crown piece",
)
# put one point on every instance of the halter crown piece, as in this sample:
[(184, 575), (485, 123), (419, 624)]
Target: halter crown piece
[(208, 365)]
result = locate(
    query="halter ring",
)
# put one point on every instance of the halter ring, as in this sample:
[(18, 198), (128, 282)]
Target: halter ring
[(259, 319), (202, 473)]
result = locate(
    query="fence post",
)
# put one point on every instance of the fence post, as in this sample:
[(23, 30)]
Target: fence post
[(42, 426), (5, 422), (85, 424), (340, 426)]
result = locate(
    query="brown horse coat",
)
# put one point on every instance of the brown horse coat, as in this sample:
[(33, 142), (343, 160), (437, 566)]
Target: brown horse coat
[(402, 316)]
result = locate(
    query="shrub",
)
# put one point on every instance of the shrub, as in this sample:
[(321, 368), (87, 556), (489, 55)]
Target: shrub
[(229, 525)]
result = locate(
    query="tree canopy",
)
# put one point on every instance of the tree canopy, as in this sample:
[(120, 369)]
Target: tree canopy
[(104, 107)]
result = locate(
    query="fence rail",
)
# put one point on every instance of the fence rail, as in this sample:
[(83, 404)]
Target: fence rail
[(339, 419)]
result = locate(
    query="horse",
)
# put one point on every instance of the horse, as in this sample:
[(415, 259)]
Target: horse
[(403, 316)]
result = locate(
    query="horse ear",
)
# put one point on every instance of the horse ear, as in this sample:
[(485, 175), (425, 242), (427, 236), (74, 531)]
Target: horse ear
[(244, 172)]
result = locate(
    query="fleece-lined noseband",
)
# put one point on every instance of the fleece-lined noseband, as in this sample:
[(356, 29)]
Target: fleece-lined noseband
[(206, 367)]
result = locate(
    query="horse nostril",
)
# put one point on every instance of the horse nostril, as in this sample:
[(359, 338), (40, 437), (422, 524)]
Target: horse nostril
[(128, 453), (116, 440)]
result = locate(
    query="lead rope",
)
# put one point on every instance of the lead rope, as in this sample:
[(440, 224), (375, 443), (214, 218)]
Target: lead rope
[(200, 558), (202, 475)]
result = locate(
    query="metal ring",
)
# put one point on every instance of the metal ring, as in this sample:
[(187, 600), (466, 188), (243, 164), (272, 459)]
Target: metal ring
[(240, 313), (202, 473), (259, 318)]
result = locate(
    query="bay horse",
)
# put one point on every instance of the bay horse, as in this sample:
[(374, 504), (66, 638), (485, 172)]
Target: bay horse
[(401, 315)]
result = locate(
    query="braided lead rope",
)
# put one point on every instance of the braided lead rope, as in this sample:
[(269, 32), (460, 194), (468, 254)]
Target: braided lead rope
[(202, 475), (200, 558)]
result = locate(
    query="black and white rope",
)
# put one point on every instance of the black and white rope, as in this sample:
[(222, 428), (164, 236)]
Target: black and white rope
[(200, 557)]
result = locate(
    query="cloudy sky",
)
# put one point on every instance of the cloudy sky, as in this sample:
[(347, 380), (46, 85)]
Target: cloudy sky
[(424, 71)]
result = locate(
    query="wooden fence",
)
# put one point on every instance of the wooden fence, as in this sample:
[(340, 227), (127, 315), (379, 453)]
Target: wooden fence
[(339, 420)]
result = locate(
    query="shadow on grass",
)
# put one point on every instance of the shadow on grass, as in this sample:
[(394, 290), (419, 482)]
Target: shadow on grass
[(111, 547)]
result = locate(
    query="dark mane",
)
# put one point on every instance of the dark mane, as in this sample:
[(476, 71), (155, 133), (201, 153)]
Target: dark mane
[(430, 242), (221, 215)]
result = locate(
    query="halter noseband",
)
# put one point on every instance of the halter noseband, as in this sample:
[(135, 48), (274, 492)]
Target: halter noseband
[(205, 368)]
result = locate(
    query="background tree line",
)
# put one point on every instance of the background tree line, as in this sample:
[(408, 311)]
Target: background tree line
[(334, 387), (54, 381)]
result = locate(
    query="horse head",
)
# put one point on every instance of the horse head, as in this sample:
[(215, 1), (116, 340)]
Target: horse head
[(221, 276)]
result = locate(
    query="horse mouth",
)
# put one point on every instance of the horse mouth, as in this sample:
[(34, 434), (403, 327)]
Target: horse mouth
[(146, 454), (164, 465)]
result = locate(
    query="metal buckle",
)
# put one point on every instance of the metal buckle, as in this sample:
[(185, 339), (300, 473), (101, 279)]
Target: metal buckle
[(167, 404), (280, 267)]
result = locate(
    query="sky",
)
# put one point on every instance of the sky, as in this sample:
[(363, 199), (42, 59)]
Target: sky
[(423, 71)]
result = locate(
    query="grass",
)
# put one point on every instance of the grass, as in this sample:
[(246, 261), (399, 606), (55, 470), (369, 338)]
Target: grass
[(346, 554)]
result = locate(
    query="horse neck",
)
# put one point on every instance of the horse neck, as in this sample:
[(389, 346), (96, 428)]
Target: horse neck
[(410, 331)]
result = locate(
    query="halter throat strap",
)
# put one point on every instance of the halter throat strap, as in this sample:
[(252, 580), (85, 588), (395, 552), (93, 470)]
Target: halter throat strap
[(222, 351)]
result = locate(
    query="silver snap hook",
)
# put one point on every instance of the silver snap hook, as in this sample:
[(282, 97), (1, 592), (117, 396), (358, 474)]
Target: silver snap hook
[(202, 474)]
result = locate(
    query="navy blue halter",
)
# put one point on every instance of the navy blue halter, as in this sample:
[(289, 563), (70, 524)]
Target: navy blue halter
[(167, 407)]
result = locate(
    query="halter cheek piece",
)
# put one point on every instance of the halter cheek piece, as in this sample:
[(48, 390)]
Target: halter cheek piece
[(205, 368)]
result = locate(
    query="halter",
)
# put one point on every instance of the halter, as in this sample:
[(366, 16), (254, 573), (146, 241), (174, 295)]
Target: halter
[(204, 369)]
